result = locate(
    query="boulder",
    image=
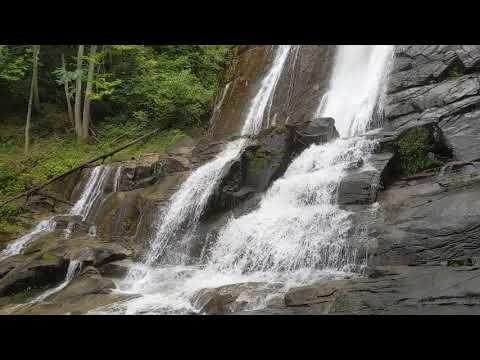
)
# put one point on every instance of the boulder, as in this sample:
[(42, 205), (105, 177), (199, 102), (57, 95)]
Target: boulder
[(232, 298), (43, 271)]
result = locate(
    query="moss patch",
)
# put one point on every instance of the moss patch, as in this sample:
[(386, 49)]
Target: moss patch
[(258, 159), (414, 148), (50, 257), (25, 295)]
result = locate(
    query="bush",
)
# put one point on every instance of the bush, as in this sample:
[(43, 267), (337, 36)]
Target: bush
[(414, 148)]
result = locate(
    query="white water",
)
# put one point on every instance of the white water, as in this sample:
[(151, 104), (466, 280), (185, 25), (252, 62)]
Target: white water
[(93, 190), (73, 268), (256, 111), (82, 207), (117, 178), (298, 233), (15, 248), (187, 204), (298, 224), (356, 86), (218, 104)]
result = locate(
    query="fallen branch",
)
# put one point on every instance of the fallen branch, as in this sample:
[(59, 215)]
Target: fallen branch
[(56, 178)]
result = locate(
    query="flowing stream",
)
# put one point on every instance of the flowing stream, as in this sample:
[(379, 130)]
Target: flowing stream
[(298, 233)]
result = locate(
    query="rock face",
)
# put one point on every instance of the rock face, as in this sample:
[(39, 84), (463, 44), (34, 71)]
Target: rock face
[(301, 85), (430, 220), (438, 83)]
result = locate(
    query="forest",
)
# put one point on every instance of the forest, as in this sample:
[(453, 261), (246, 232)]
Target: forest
[(62, 105)]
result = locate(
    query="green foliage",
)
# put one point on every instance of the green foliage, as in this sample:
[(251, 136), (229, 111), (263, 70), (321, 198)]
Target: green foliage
[(413, 149), (136, 88), (9, 228), (455, 72), (173, 86), (13, 63)]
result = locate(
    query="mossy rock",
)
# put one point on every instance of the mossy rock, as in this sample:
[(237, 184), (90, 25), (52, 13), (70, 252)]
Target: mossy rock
[(50, 257), (420, 149)]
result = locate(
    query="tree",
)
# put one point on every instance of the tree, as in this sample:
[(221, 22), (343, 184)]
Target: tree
[(36, 98), (88, 92), (36, 50), (78, 92), (66, 83)]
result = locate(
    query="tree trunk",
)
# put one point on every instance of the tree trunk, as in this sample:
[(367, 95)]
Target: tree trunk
[(29, 111), (78, 92), (88, 91), (67, 95), (36, 98)]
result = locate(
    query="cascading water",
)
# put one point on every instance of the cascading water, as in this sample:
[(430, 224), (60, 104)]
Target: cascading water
[(117, 178), (73, 269), (187, 204), (298, 224), (298, 230), (15, 248), (262, 102), (82, 207), (92, 192), (179, 220)]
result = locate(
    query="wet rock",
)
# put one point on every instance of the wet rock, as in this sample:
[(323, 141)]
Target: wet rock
[(43, 271), (97, 254), (295, 101), (232, 298), (265, 159), (429, 220), (72, 222), (115, 270), (358, 188), (86, 284), (318, 131)]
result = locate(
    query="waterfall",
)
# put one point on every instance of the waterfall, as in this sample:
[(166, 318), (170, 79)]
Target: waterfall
[(298, 224), (91, 192), (73, 269), (263, 99), (117, 178), (43, 227), (219, 103), (187, 204), (298, 233)]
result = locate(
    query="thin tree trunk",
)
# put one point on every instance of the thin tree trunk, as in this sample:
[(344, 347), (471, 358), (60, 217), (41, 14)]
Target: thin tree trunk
[(29, 112), (36, 98), (67, 95), (78, 92), (88, 91)]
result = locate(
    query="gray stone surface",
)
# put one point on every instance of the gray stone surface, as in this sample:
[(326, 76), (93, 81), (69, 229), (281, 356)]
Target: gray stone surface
[(438, 83)]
